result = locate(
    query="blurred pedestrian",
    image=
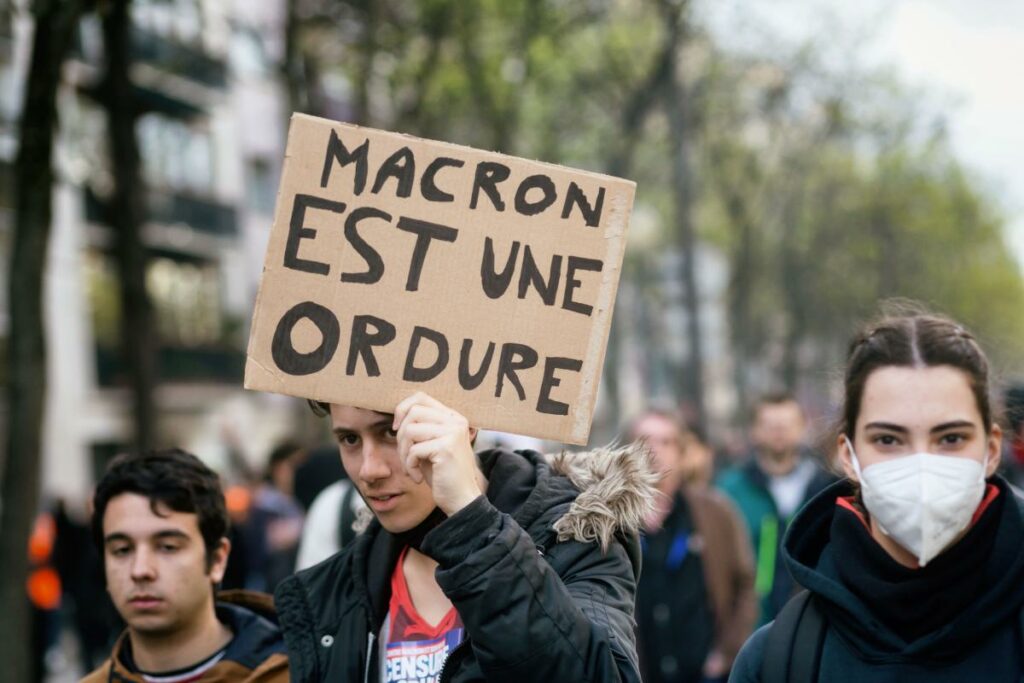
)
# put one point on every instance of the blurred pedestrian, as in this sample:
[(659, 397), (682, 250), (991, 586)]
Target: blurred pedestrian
[(44, 592), (695, 599), (86, 604), (779, 476), (913, 565), (494, 566), (161, 524), (699, 463), (238, 502), (1012, 467), (274, 522), (318, 470), (330, 523)]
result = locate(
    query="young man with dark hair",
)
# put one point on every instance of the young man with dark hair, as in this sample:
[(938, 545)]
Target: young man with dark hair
[(780, 475), (160, 522), (498, 566)]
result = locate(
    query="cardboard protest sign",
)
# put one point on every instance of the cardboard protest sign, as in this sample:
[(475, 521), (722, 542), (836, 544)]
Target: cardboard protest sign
[(397, 264)]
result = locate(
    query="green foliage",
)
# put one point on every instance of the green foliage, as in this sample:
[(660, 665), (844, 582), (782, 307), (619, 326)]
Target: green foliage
[(826, 191)]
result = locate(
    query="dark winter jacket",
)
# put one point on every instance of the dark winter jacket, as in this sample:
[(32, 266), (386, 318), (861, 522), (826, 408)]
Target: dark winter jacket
[(696, 594), (967, 601), (542, 572), (255, 655)]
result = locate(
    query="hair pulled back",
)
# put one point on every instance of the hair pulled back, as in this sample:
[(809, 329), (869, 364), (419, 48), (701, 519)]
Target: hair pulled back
[(917, 341)]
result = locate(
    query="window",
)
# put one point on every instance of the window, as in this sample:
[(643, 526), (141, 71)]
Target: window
[(185, 294), (260, 186), (176, 155), (174, 19)]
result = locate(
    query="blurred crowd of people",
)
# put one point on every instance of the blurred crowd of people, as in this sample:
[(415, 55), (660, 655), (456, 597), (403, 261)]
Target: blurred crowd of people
[(712, 567)]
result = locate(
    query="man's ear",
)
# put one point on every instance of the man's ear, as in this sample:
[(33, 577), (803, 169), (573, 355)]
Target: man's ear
[(219, 560), (473, 431), (846, 458)]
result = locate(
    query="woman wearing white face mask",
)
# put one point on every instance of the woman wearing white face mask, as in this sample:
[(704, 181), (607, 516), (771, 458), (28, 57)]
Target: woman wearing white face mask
[(914, 565)]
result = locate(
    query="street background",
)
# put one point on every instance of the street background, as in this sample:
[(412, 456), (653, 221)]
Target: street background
[(797, 162)]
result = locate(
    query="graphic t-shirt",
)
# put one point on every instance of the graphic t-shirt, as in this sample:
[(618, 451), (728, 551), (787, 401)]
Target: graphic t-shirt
[(413, 651)]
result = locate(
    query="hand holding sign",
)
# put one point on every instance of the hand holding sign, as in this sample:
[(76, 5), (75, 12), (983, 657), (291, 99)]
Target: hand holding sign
[(435, 443)]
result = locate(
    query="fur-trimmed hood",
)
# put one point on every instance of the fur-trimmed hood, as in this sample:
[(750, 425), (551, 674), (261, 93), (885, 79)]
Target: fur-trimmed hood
[(617, 491)]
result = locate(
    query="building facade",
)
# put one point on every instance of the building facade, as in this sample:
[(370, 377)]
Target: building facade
[(211, 133)]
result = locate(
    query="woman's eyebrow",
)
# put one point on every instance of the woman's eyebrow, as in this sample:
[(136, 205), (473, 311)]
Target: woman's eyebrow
[(887, 426), (955, 424)]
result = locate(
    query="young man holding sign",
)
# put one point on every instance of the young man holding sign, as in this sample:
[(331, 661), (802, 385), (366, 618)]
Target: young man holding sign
[(387, 253), (496, 566)]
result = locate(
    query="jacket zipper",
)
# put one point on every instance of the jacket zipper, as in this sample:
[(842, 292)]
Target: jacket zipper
[(451, 655), (369, 656)]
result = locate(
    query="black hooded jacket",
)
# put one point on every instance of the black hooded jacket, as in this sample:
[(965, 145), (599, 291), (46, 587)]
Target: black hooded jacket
[(956, 619), (524, 567)]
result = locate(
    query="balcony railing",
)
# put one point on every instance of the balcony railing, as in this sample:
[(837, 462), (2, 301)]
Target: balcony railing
[(175, 365), (184, 60), (169, 208)]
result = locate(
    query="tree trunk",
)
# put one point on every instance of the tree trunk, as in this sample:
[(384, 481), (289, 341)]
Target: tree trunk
[(496, 117), (138, 335), (885, 236), (638, 106), (365, 56), (741, 291), (678, 109), (792, 289), (294, 74), (55, 22)]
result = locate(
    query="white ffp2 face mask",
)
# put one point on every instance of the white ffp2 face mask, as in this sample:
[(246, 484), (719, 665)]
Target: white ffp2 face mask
[(922, 501)]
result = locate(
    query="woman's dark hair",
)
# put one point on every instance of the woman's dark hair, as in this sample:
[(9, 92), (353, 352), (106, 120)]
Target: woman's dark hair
[(173, 477), (913, 340)]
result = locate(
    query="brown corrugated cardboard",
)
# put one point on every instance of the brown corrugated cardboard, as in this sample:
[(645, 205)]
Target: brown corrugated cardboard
[(397, 264)]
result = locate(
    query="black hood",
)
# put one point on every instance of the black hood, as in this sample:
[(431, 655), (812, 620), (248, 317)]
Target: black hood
[(256, 637), (814, 558)]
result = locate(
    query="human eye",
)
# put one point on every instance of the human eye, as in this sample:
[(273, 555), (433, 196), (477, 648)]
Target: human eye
[(168, 547), (348, 440), (953, 439), (119, 550), (884, 440)]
